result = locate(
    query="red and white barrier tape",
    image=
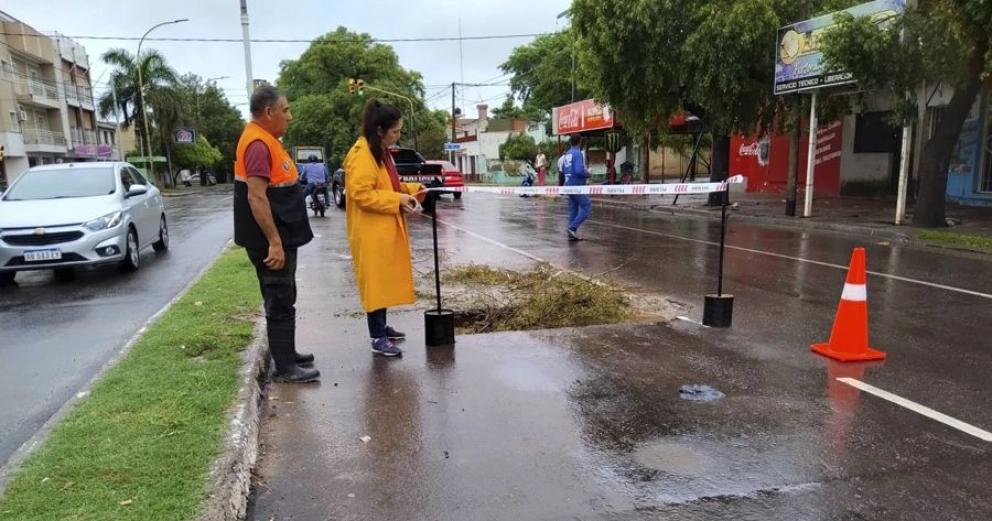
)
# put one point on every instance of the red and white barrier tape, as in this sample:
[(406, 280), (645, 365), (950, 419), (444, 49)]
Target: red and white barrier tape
[(649, 189)]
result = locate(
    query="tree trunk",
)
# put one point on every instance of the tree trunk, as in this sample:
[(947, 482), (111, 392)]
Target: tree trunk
[(720, 167), (931, 204), (646, 160)]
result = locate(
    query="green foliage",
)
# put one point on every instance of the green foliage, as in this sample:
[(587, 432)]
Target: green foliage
[(716, 59), (213, 116), (326, 113), (196, 155), (542, 74), (518, 147)]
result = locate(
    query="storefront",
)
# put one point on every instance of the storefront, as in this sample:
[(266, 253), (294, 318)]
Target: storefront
[(969, 178)]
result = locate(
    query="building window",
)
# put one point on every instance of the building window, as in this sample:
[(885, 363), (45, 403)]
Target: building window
[(14, 122), (6, 70)]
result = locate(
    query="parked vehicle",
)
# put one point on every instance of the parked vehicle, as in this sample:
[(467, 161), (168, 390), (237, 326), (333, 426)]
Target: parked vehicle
[(204, 178), (411, 167), (76, 214), (452, 177)]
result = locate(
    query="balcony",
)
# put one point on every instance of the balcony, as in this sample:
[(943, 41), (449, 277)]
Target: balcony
[(44, 141), (85, 144), (37, 93), (79, 96)]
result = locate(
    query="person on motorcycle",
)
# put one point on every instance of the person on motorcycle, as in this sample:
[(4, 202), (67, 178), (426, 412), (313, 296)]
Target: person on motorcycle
[(317, 178)]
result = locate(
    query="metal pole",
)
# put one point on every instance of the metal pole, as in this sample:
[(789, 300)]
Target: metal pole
[(244, 36), (451, 155), (811, 159), (117, 120), (903, 176), (141, 92), (723, 240), (437, 262)]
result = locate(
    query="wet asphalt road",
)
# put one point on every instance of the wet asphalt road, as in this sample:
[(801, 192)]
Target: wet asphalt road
[(588, 423), (57, 335)]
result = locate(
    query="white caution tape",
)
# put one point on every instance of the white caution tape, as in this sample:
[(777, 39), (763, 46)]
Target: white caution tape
[(649, 189)]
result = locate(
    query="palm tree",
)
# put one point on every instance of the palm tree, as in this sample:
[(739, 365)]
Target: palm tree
[(158, 79)]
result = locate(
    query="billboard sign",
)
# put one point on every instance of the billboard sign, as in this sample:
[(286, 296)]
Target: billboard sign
[(185, 135), (798, 59), (581, 116)]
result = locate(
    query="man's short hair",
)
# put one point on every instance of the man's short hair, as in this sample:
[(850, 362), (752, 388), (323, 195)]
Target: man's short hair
[(575, 140), (264, 97)]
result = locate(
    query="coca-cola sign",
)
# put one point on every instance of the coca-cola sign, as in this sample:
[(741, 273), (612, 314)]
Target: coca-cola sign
[(581, 116), (758, 149)]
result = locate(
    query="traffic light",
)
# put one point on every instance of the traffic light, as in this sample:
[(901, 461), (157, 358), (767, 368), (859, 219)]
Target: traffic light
[(1, 153), (356, 86)]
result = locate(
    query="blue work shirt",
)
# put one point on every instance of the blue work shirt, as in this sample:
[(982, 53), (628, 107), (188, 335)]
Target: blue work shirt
[(574, 168), (316, 173)]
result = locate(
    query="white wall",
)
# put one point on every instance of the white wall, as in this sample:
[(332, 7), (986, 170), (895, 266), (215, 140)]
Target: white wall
[(861, 167)]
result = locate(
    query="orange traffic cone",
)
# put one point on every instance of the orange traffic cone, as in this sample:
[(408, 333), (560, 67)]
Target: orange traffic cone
[(849, 338)]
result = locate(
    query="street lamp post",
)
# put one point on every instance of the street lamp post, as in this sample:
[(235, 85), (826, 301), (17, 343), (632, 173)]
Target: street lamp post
[(141, 91)]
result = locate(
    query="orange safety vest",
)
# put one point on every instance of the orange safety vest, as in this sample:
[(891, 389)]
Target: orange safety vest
[(283, 172)]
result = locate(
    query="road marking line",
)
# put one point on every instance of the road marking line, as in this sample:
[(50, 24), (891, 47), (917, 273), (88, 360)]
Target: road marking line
[(799, 259), (494, 242), (921, 409)]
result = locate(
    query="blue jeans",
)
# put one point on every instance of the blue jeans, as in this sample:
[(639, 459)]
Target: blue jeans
[(579, 207)]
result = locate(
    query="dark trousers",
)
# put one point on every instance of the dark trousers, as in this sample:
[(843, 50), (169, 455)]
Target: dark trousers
[(279, 294), (377, 323)]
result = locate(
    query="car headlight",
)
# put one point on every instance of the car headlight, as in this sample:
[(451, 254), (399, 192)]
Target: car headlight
[(104, 223)]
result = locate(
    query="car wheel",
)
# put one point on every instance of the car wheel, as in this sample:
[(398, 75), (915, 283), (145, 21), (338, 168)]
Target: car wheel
[(338, 196), (162, 243), (132, 259), (458, 195), (65, 275), (7, 278)]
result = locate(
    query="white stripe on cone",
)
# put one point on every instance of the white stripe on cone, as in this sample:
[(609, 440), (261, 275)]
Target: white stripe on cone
[(855, 292)]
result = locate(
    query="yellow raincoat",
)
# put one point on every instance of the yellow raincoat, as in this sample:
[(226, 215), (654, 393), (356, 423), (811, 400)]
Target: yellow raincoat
[(377, 231)]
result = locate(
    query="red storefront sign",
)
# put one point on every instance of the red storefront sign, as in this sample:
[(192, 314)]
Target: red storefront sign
[(765, 160), (582, 116)]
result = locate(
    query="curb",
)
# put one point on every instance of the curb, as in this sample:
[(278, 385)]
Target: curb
[(230, 476), (797, 224)]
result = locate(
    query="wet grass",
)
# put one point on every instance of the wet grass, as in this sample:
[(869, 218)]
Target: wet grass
[(957, 239), (140, 446), (488, 299)]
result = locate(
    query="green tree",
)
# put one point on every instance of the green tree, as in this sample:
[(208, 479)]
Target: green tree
[(158, 79), (434, 133), (325, 112), (518, 147), (214, 118), (542, 74), (715, 59), (200, 154), (945, 41)]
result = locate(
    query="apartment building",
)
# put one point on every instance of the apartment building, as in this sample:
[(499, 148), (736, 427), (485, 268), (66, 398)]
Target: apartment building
[(47, 107)]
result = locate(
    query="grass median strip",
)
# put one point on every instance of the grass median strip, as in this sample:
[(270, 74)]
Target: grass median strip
[(959, 239), (140, 446)]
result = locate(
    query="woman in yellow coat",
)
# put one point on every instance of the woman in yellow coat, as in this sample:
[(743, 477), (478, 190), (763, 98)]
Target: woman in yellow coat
[(377, 206)]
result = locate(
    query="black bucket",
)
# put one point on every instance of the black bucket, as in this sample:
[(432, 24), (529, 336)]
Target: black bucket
[(718, 310), (439, 327)]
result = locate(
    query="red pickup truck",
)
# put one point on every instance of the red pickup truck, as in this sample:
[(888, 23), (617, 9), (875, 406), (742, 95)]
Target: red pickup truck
[(412, 168)]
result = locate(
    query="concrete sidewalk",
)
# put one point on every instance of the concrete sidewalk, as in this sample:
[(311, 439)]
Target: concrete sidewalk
[(865, 217)]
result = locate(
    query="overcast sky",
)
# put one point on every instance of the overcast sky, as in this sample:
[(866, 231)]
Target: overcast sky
[(440, 62)]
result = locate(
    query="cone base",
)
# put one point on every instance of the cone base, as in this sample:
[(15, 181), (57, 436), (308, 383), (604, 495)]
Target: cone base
[(864, 356)]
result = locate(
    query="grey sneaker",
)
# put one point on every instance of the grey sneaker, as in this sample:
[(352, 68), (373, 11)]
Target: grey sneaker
[(573, 235), (383, 346), (393, 334)]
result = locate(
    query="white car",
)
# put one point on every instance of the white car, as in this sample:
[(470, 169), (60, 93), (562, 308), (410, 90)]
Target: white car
[(77, 214)]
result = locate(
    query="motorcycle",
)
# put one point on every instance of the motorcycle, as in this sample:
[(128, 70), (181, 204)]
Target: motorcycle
[(316, 199)]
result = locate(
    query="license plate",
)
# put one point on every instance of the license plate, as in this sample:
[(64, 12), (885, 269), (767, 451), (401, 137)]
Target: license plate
[(42, 255)]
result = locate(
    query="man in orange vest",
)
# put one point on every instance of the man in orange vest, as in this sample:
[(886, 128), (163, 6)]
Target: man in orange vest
[(270, 222)]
